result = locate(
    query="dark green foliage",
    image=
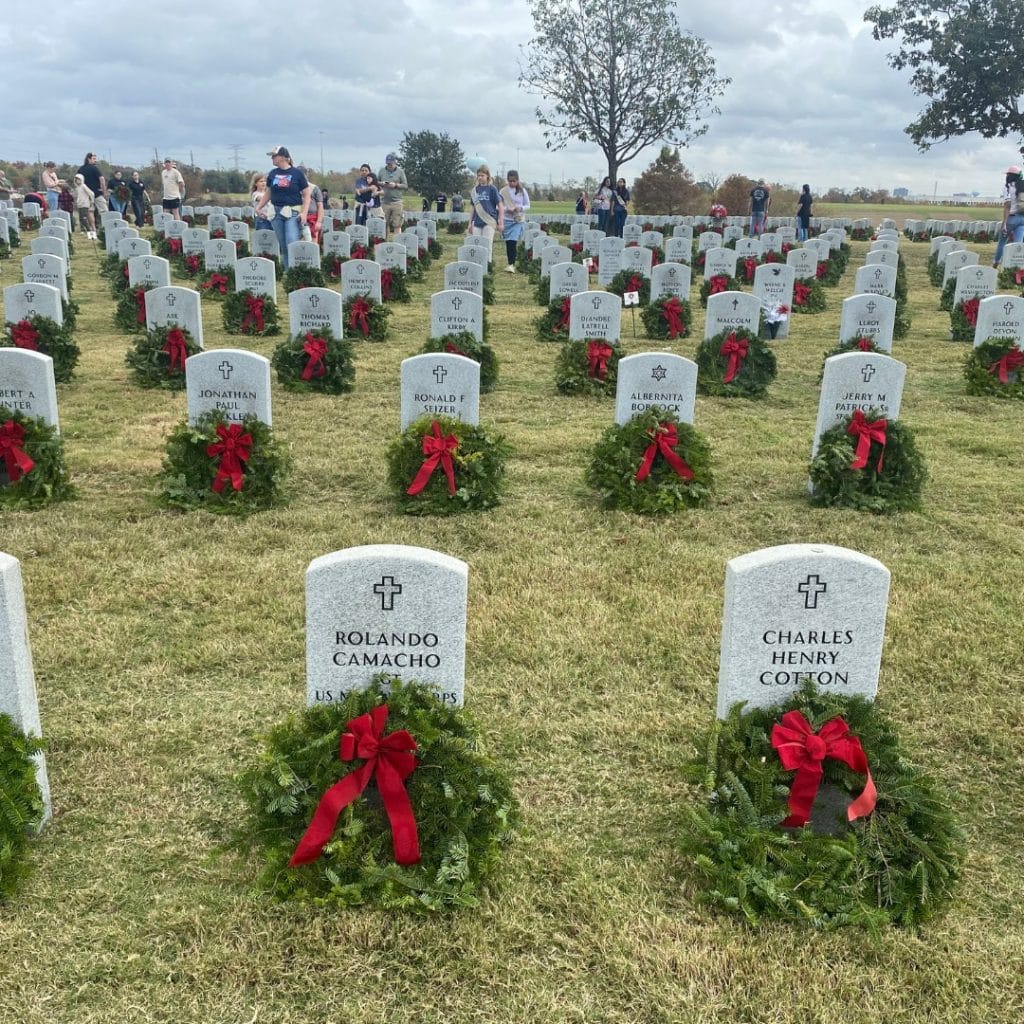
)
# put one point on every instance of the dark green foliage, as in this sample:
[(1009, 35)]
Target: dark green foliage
[(961, 326), (216, 283), (977, 366), (572, 370), (656, 323), (126, 313), (463, 804), (151, 365), (188, 473), (290, 361), (756, 371), (896, 489), (717, 283), (479, 462), (376, 326), (898, 866), (47, 481), (394, 285), (21, 804), (54, 341), (553, 325), (330, 266), (1011, 279), (488, 289), (859, 344), (936, 270), (618, 456), (465, 344), (236, 310), (302, 277), (435, 249), (631, 281), (813, 300), (946, 299)]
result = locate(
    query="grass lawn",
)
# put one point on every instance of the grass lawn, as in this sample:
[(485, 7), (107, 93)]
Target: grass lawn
[(166, 644)]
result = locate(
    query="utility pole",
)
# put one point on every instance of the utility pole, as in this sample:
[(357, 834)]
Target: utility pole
[(321, 155), (236, 149)]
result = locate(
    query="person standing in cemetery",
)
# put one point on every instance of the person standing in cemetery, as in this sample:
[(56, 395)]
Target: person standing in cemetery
[(582, 203), (516, 201), (457, 203), (315, 215), (85, 201), (288, 196), (488, 209), (173, 188), (66, 201), (90, 173), (803, 213), (138, 196), (442, 202), (118, 189), (257, 186), (367, 194), (620, 207), (602, 204), (393, 182), (1012, 228), (760, 200), (52, 184)]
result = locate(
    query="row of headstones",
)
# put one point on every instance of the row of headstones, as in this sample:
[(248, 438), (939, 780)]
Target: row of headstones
[(792, 613), (690, 220), (971, 228)]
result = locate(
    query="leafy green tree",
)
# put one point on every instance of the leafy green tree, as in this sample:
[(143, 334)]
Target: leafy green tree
[(433, 162), (666, 186), (965, 58), (619, 74)]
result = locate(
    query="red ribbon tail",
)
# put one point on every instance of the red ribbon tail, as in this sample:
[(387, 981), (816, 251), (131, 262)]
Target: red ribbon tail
[(801, 796), (425, 473), (648, 460), (676, 461), (865, 803), (399, 811), (325, 817)]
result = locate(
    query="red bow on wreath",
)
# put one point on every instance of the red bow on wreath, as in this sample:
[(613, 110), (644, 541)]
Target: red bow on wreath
[(673, 313), (359, 252), (802, 750), (358, 315), (140, 305), (821, 270), (749, 266), (598, 354), (24, 335), (1010, 363), (719, 283), (335, 267), (390, 760), (192, 263), (316, 348), (1018, 276), (233, 449), (801, 293), (970, 310), (386, 280), (865, 345), (16, 461), (124, 271), (737, 349), (174, 246), (438, 450), (450, 346), (175, 348), (563, 317), (253, 313), (635, 283), (663, 439), (217, 282), (866, 432)]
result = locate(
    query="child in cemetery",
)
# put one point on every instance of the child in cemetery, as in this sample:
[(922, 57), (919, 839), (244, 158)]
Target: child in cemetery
[(488, 209), (85, 201), (1013, 213), (803, 213), (517, 202)]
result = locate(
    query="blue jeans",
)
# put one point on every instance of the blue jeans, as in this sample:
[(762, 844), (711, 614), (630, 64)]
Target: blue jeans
[(757, 224), (288, 230), (620, 221), (116, 204), (52, 195), (602, 220), (1014, 232)]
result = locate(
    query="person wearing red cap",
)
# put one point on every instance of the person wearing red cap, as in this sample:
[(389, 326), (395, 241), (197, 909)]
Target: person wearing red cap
[(1013, 212)]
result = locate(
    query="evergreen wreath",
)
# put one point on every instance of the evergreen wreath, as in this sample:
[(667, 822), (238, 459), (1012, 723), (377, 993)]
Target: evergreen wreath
[(488, 288), (587, 368), (1011, 279), (315, 361), (394, 285), (936, 270), (169, 248), (898, 866), (30, 223), (21, 804), (463, 804), (365, 318), (856, 344), (275, 259), (946, 299), (5, 248), (41, 334), (455, 228), (302, 277), (252, 315), (657, 252), (861, 234), (241, 248), (963, 319), (155, 358), (33, 472), (631, 281), (190, 264), (752, 372), (130, 312), (896, 488), (477, 459), (191, 471), (215, 283), (464, 343), (414, 268), (747, 266), (996, 368), (658, 321), (119, 280), (330, 265), (808, 296), (622, 451), (715, 284), (434, 248), (829, 271), (70, 309), (553, 325)]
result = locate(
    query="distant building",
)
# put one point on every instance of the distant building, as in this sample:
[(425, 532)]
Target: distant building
[(900, 193)]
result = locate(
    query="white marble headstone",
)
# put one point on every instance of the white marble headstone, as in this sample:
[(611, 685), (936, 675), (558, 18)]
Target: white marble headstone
[(1000, 316), (27, 385), (360, 277), (317, 310), (454, 311), (22, 301), (257, 275), (175, 307), (440, 383), (594, 315), (868, 316), (655, 378), (670, 279), (464, 275), (729, 310), (232, 381)]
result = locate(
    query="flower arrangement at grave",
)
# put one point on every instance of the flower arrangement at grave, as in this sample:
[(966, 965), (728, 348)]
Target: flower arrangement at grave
[(296, 278), (315, 361), (995, 368), (652, 464), (667, 318), (717, 212), (157, 358), (394, 285), (808, 296), (33, 472), (963, 319), (587, 367), (249, 314), (130, 312), (366, 318), (221, 466), (431, 845), (762, 853), (868, 463), (631, 281), (22, 803), (215, 284), (715, 284), (464, 343), (440, 465), (734, 364), (773, 316), (41, 334), (553, 325)]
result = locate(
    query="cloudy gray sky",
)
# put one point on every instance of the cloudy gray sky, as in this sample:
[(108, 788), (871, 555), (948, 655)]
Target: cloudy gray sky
[(812, 98)]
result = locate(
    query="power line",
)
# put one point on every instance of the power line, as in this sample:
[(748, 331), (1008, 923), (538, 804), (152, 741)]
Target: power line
[(236, 149)]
